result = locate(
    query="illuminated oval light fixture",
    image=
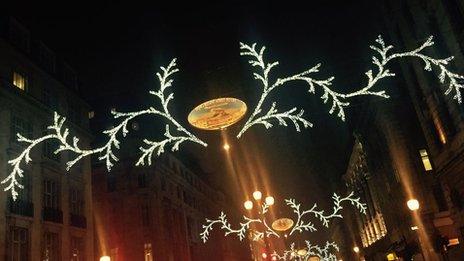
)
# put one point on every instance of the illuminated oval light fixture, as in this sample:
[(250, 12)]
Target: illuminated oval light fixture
[(282, 224), (302, 252), (217, 114)]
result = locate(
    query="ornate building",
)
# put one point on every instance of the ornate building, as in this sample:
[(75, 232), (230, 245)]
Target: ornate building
[(52, 218), (156, 213), (440, 117)]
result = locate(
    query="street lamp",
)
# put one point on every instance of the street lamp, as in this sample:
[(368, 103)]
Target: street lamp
[(105, 258), (257, 195), (248, 205), (269, 200), (413, 204)]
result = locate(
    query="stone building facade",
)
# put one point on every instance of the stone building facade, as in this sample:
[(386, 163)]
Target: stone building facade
[(52, 218), (441, 117), (156, 213)]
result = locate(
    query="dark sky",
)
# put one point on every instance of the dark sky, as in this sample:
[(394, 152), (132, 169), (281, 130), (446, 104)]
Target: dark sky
[(116, 49)]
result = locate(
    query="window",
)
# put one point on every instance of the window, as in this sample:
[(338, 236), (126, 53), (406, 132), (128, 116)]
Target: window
[(111, 183), (69, 76), (19, 125), (19, 36), (439, 129), (50, 193), (74, 111), (163, 184), (76, 202), (148, 252), (142, 180), (20, 80), (49, 148), (47, 59), (51, 249), (50, 98), (145, 213), (18, 244), (77, 249), (425, 160)]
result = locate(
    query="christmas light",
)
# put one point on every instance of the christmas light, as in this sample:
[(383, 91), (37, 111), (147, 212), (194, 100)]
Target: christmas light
[(326, 253), (106, 151), (339, 100), (300, 225)]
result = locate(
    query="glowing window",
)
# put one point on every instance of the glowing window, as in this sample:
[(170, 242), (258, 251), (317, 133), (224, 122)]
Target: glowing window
[(425, 160), (19, 80), (148, 253)]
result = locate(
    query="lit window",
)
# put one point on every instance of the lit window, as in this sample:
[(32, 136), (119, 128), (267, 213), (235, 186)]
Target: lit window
[(148, 252), (18, 244), (19, 80), (439, 128), (425, 160)]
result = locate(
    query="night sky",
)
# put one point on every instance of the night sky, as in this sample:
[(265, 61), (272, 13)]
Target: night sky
[(117, 48)]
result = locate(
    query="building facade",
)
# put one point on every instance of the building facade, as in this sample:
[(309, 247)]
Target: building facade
[(390, 164), (52, 217), (157, 212), (441, 117)]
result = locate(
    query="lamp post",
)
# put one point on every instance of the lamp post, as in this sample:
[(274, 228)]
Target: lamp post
[(414, 205), (269, 200)]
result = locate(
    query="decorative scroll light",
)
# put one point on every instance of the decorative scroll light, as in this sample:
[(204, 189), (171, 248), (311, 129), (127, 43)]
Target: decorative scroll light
[(105, 152), (294, 116), (301, 225), (326, 253), (339, 100)]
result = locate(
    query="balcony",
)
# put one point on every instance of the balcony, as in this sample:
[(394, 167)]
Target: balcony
[(52, 215), (78, 221), (21, 207)]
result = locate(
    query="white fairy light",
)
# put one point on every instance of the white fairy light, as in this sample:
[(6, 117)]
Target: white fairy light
[(299, 227), (326, 253), (106, 151), (339, 100)]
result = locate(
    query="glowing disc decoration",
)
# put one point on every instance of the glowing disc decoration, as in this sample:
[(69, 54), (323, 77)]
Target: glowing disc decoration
[(282, 224), (217, 114)]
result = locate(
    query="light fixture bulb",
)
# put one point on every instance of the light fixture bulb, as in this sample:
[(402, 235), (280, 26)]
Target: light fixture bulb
[(105, 258), (356, 249), (257, 195), (269, 200), (413, 204), (248, 204), (226, 146)]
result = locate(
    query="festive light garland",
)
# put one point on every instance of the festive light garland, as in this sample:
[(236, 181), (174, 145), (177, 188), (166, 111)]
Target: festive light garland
[(339, 100), (299, 227), (325, 253), (106, 151)]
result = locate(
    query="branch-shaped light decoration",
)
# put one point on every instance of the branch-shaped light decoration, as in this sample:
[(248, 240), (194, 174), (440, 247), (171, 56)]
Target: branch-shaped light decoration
[(326, 253), (59, 133), (300, 226), (338, 100)]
